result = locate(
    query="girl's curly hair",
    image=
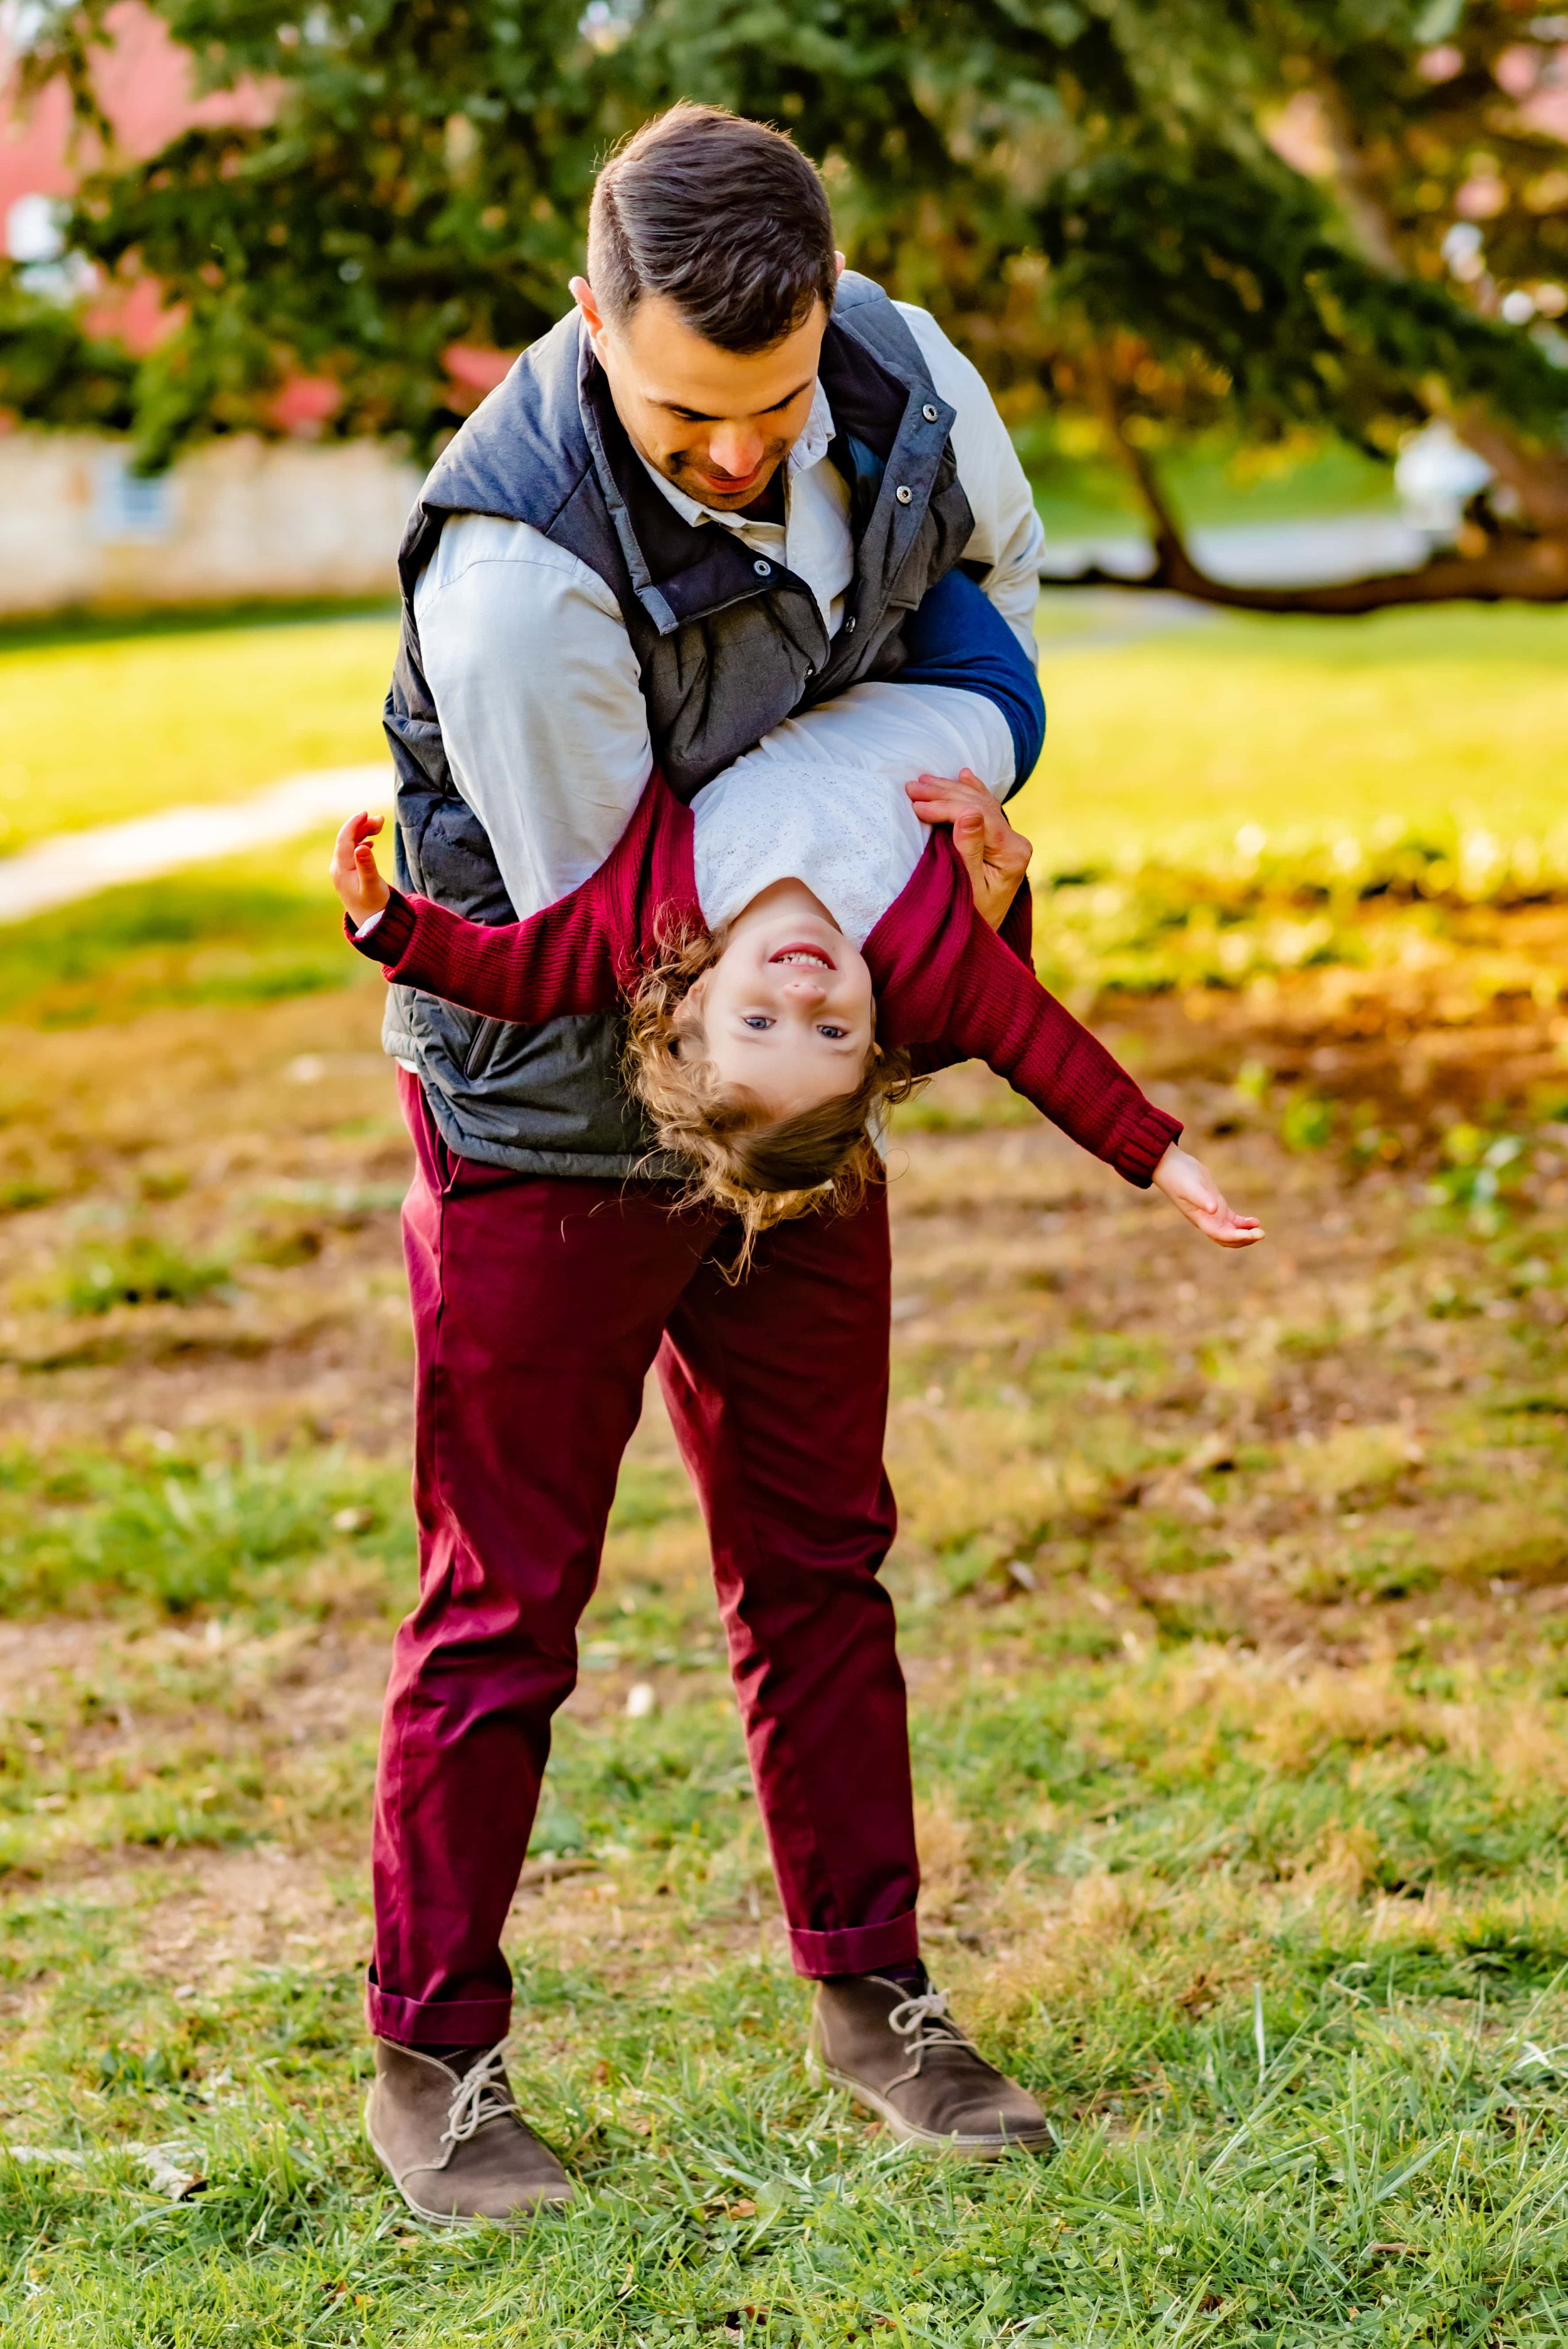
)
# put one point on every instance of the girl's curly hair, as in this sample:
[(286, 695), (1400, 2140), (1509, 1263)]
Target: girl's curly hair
[(761, 1168)]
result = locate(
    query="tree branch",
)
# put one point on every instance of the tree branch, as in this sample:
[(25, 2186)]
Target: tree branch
[(1359, 195), (1170, 547), (1512, 568)]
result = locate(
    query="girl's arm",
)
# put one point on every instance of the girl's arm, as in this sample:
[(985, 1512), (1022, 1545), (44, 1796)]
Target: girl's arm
[(565, 960), (1000, 1013), (943, 978)]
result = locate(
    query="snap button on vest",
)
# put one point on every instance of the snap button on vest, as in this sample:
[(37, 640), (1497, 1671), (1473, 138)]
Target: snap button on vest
[(848, 628), (763, 570), (929, 413), (903, 493)]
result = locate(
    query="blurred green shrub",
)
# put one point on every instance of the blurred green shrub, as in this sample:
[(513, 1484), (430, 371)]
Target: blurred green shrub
[(139, 1270), (1479, 1174), (1308, 1123), (1148, 926)]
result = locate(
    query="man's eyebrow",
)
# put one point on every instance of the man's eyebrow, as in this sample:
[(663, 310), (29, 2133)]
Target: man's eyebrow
[(697, 416)]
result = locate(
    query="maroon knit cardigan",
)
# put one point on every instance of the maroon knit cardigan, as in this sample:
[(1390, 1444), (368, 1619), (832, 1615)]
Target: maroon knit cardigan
[(941, 975)]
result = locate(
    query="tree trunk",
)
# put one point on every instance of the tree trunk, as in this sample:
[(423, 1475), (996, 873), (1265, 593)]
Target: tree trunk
[(1511, 567), (1539, 479)]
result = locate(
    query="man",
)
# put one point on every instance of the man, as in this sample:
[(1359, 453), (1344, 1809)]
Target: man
[(708, 498)]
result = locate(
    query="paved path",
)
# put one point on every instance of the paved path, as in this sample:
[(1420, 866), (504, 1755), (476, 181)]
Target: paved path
[(79, 863)]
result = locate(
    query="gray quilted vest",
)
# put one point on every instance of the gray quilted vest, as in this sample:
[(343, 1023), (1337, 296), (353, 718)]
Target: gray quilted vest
[(726, 647)]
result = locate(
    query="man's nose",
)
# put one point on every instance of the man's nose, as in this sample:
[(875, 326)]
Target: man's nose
[(737, 449)]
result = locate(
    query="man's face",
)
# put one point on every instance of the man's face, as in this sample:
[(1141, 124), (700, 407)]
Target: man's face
[(718, 424)]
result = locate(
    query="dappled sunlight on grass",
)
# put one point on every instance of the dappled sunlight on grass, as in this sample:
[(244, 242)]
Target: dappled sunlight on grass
[(109, 728), (1309, 730), (259, 928)]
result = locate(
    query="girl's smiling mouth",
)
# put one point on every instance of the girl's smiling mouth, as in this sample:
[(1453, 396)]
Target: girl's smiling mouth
[(810, 954)]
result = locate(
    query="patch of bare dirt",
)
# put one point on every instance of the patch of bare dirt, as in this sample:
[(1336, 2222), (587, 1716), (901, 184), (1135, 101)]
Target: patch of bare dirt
[(270, 1140)]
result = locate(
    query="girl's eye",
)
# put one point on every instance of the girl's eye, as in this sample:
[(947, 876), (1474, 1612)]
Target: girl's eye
[(834, 1035), (755, 1019)]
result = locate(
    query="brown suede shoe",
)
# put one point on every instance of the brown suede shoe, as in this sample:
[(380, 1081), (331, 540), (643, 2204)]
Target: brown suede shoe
[(452, 2141), (906, 2059)]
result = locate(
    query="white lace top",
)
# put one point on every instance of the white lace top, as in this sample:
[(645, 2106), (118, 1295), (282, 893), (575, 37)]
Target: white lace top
[(821, 799)]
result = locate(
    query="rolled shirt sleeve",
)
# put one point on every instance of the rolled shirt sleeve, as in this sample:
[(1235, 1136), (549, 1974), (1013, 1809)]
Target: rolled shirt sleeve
[(541, 709)]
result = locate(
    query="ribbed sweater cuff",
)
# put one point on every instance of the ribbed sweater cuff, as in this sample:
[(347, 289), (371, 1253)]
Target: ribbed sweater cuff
[(393, 935), (1137, 1151)]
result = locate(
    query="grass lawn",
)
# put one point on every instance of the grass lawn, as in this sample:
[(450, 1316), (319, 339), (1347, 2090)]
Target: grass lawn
[(1436, 722), (100, 727), (1235, 1607), (1432, 722)]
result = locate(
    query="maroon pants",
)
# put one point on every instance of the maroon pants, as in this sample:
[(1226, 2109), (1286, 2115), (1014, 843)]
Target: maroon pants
[(539, 1305)]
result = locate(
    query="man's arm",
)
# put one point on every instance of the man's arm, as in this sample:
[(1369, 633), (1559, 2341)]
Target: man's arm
[(958, 637), (1008, 538), (536, 686)]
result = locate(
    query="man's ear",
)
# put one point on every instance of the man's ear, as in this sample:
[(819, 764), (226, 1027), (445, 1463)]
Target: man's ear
[(838, 265), (582, 295)]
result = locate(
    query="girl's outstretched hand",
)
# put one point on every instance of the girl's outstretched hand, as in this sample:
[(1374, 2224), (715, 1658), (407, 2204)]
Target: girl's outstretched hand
[(353, 869), (1188, 1186), (994, 857)]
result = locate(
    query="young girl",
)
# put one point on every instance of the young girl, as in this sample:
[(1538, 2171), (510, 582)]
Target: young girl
[(794, 948)]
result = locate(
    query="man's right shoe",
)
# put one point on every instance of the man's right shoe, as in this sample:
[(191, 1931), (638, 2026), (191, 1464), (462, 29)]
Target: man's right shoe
[(453, 2143)]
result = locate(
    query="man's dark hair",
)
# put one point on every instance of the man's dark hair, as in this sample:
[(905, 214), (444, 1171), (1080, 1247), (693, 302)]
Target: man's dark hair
[(726, 218)]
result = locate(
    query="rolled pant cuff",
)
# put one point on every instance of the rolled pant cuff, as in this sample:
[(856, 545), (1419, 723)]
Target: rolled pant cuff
[(858, 1950), (448, 2022)]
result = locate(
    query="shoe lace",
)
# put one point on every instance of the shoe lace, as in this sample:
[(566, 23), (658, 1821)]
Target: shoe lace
[(923, 2023), (480, 2095)]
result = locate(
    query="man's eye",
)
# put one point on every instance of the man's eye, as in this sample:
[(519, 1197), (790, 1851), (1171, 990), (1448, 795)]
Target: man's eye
[(755, 1019)]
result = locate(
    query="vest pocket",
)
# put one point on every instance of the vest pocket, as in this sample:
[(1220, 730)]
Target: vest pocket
[(482, 1044)]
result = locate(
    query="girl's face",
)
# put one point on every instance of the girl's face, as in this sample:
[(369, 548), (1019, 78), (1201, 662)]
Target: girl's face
[(786, 1008)]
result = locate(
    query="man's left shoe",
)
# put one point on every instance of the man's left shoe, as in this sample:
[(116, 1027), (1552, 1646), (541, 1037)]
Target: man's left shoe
[(902, 2055)]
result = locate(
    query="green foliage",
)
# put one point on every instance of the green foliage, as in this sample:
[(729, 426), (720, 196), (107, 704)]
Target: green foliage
[(1308, 1123), (1147, 927), (138, 1270), (53, 369), (1480, 1173), (1049, 178), (1201, 252)]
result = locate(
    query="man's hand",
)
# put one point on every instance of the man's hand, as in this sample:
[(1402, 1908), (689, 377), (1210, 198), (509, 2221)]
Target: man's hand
[(1188, 1186), (353, 869), (996, 857)]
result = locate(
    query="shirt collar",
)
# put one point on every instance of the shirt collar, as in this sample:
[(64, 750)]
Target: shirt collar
[(808, 450)]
